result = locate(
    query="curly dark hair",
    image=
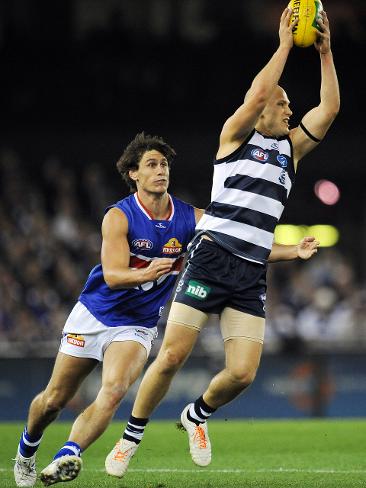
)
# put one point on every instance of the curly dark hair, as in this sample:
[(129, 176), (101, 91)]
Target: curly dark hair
[(133, 153)]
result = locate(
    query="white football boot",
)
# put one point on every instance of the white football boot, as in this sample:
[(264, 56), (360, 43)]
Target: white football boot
[(64, 468), (117, 461), (199, 442), (25, 470)]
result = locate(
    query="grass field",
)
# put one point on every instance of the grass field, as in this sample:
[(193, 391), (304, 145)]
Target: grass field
[(273, 454)]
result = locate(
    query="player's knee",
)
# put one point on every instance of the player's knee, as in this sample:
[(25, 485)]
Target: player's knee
[(54, 402), (112, 394), (170, 360), (243, 376)]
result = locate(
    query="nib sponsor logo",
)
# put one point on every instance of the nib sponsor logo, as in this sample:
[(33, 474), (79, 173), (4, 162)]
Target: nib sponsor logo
[(75, 340), (197, 290)]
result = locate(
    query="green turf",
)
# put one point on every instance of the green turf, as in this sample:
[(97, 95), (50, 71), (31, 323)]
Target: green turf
[(250, 454)]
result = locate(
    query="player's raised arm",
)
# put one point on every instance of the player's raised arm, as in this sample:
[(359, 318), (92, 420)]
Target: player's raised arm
[(317, 121), (239, 125), (116, 255)]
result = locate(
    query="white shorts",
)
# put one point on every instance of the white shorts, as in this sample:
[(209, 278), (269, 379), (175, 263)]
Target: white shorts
[(85, 337)]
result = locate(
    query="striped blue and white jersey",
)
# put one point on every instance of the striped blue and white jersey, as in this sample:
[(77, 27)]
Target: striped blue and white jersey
[(249, 191), (148, 239)]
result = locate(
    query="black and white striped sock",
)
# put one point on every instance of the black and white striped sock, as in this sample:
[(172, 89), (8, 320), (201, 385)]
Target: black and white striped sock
[(135, 429), (199, 411)]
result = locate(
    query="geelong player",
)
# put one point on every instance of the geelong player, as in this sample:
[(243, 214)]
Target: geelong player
[(145, 237), (254, 171)]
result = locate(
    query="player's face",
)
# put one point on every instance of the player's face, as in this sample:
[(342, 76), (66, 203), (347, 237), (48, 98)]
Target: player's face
[(152, 174), (275, 118)]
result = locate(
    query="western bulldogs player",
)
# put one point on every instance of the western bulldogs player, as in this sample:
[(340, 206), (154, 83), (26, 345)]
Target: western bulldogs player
[(145, 237)]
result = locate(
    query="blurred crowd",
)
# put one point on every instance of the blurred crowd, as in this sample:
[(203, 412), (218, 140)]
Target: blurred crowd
[(316, 305), (50, 239)]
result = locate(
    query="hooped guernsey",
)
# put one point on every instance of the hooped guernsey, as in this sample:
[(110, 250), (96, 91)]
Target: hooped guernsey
[(148, 239), (249, 191)]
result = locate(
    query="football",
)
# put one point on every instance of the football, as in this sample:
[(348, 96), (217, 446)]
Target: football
[(307, 11)]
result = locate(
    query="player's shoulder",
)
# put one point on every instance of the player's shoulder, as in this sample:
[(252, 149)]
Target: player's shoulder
[(125, 205), (125, 202), (115, 222), (181, 206), (179, 202), (120, 210), (115, 214), (230, 151)]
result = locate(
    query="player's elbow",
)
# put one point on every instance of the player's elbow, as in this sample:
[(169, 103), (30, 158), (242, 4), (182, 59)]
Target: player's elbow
[(336, 110), (259, 94), (112, 281), (331, 110)]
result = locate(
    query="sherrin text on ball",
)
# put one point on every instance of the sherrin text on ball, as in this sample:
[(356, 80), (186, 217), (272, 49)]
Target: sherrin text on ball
[(307, 28)]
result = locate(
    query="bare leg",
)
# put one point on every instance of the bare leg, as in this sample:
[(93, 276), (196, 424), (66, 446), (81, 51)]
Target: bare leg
[(68, 373), (176, 347), (123, 363), (177, 344), (242, 361)]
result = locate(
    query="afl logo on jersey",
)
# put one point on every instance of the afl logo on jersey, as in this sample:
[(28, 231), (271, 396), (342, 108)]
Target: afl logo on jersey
[(142, 243), (259, 155), (173, 246)]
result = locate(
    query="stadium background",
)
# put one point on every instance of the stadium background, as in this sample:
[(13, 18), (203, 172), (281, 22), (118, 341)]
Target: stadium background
[(79, 78)]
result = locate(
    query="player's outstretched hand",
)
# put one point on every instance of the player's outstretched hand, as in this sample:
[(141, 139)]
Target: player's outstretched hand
[(286, 26), (307, 247), (322, 43), (158, 267)]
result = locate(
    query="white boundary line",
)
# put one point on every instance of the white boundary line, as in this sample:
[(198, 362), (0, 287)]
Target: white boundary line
[(232, 471)]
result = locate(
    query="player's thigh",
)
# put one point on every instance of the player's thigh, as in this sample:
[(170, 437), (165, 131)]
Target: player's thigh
[(243, 339), (236, 323), (68, 373), (123, 362), (182, 330)]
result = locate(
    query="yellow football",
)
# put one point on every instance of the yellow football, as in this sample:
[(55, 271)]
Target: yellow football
[(307, 11)]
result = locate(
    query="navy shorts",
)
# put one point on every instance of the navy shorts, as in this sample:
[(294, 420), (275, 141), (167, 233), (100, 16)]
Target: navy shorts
[(214, 279)]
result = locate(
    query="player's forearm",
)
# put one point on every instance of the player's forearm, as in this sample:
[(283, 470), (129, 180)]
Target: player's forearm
[(281, 252), (127, 278), (267, 79), (329, 90)]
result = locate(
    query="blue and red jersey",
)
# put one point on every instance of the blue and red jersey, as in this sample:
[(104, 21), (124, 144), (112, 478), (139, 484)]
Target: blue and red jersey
[(148, 239)]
